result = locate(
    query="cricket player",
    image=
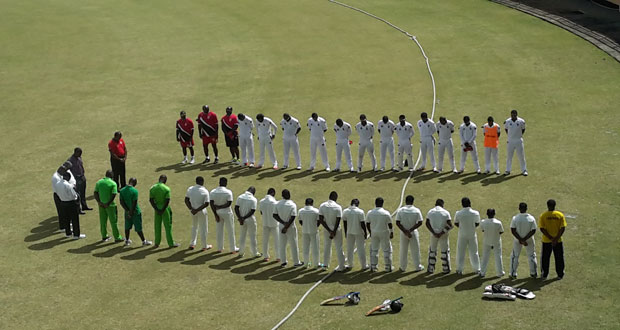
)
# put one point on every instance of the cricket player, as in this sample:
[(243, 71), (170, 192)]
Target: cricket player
[(523, 228), (365, 130), (246, 140), (309, 221), (221, 200), (515, 128), (491, 132), (290, 127), (467, 220), (404, 131), (386, 127), (128, 196), (245, 208), (159, 197), (379, 226), (197, 200), (552, 225), (230, 124), (408, 220), (284, 213), (468, 131), (354, 221), (427, 128), (207, 130), (330, 214), (266, 130), (185, 136), (266, 206), (105, 193), (343, 132), (445, 128), (492, 229), (317, 127), (439, 223)]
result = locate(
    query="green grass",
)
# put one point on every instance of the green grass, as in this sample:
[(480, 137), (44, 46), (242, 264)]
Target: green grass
[(73, 72)]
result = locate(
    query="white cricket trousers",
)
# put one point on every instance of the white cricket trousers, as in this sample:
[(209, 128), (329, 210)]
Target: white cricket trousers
[(518, 146), (486, 254), (380, 240), (290, 238), (442, 147), (490, 153), (266, 143), (366, 146), (310, 243), (227, 221), (248, 228), (427, 146), (267, 233), (444, 245), (469, 244), (320, 144), (530, 250), (343, 147), (474, 156), (327, 248), (200, 220), (387, 146), (246, 143), (356, 241), (291, 143), (405, 149), (410, 245)]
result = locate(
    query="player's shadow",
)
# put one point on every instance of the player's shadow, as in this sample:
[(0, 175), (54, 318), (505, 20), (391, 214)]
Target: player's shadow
[(390, 277), (470, 284), (366, 175), (211, 166), (227, 171), (532, 284), (421, 279), (324, 175), (143, 253), (113, 251), (50, 244), (495, 179), (442, 280), (178, 167), (268, 273), (430, 175), (358, 277), (228, 264), (452, 176), (203, 259), (178, 256), (311, 275), (250, 268), (300, 174), (245, 171), (288, 275), (88, 248), (270, 173), (45, 229), (344, 175)]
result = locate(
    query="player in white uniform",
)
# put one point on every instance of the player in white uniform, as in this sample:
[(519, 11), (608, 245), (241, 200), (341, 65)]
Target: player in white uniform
[(492, 229), (343, 132), (245, 208), (266, 129), (404, 131), (246, 139), (221, 200), (445, 128), (408, 220), (523, 227), (439, 223), (330, 214), (386, 130), (267, 206), (290, 126), (515, 128), (366, 130), (317, 127), (467, 219), (309, 221), (468, 131), (427, 128), (285, 213), (355, 232), (379, 225), (197, 199)]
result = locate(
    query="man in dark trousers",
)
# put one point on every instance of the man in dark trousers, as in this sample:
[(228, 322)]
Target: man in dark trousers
[(57, 182), (552, 224), (118, 157), (230, 123), (80, 178), (69, 207)]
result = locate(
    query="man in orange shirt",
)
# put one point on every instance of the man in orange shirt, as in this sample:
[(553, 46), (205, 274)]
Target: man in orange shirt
[(118, 158), (552, 225), (207, 130), (185, 136), (491, 132)]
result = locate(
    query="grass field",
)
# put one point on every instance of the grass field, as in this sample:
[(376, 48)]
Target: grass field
[(73, 72)]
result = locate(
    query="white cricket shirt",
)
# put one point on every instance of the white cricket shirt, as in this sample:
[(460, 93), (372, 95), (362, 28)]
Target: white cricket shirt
[(290, 127), (317, 127), (468, 132), (404, 133), (467, 218), (492, 229), (409, 216), (266, 128), (246, 203), (245, 127), (198, 196), (353, 216), (342, 133), (386, 129), (379, 218), (286, 208), (309, 215), (66, 191), (438, 217), (523, 223), (426, 129), (365, 131), (330, 211), (220, 196), (515, 128), (267, 208), (445, 131)]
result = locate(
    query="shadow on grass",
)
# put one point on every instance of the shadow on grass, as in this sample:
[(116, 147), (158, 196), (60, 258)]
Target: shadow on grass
[(178, 167), (230, 263), (267, 172), (114, 251), (179, 255), (250, 268), (495, 179), (268, 273), (472, 177), (300, 174), (356, 277), (532, 284), (309, 275), (471, 284), (50, 244), (430, 175), (441, 280), (390, 277), (452, 176), (45, 229), (88, 248), (324, 175), (369, 174), (344, 175), (143, 253), (203, 258)]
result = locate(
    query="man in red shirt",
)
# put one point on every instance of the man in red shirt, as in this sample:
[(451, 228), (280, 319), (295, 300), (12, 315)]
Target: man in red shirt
[(207, 130), (185, 136), (118, 157), (229, 127)]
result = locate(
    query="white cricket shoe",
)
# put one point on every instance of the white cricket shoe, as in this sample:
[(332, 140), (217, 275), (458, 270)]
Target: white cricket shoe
[(145, 243), (79, 237), (193, 160), (184, 160)]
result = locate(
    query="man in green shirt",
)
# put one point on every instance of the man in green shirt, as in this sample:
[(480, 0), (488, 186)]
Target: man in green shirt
[(105, 192), (159, 196), (133, 215)]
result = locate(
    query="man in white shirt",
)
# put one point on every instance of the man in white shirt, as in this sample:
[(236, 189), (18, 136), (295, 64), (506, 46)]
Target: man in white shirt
[(317, 127), (445, 128), (246, 139), (365, 130), (197, 199), (267, 206), (439, 223), (330, 214), (467, 219), (492, 229), (515, 128), (408, 220), (245, 208), (468, 131), (266, 129), (404, 131), (386, 130), (354, 221), (523, 227), (343, 132), (309, 221), (69, 207), (379, 225), (284, 213), (427, 128), (290, 127), (221, 200), (56, 185)]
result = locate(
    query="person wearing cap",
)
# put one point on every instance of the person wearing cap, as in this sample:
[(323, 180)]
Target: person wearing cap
[(185, 136), (523, 228), (245, 208), (467, 220), (445, 128), (552, 224), (317, 127), (468, 131), (246, 139), (57, 179), (159, 197), (266, 206), (491, 132), (404, 131), (70, 207), (515, 128), (439, 224), (365, 130), (105, 193), (266, 129), (309, 221), (343, 132), (208, 131), (290, 127), (128, 197), (221, 200), (118, 158), (77, 170), (354, 222), (285, 213), (427, 128), (408, 220), (386, 128), (230, 123), (197, 199), (330, 214), (379, 226)]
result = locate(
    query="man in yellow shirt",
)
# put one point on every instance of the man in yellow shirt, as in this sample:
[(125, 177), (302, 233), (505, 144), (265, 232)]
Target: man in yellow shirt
[(552, 225)]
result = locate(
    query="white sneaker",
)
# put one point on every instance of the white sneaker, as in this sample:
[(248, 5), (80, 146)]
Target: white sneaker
[(352, 170), (299, 167), (145, 243), (328, 169), (251, 164), (193, 160), (184, 160), (382, 169), (128, 242), (79, 237), (497, 172), (524, 173)]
